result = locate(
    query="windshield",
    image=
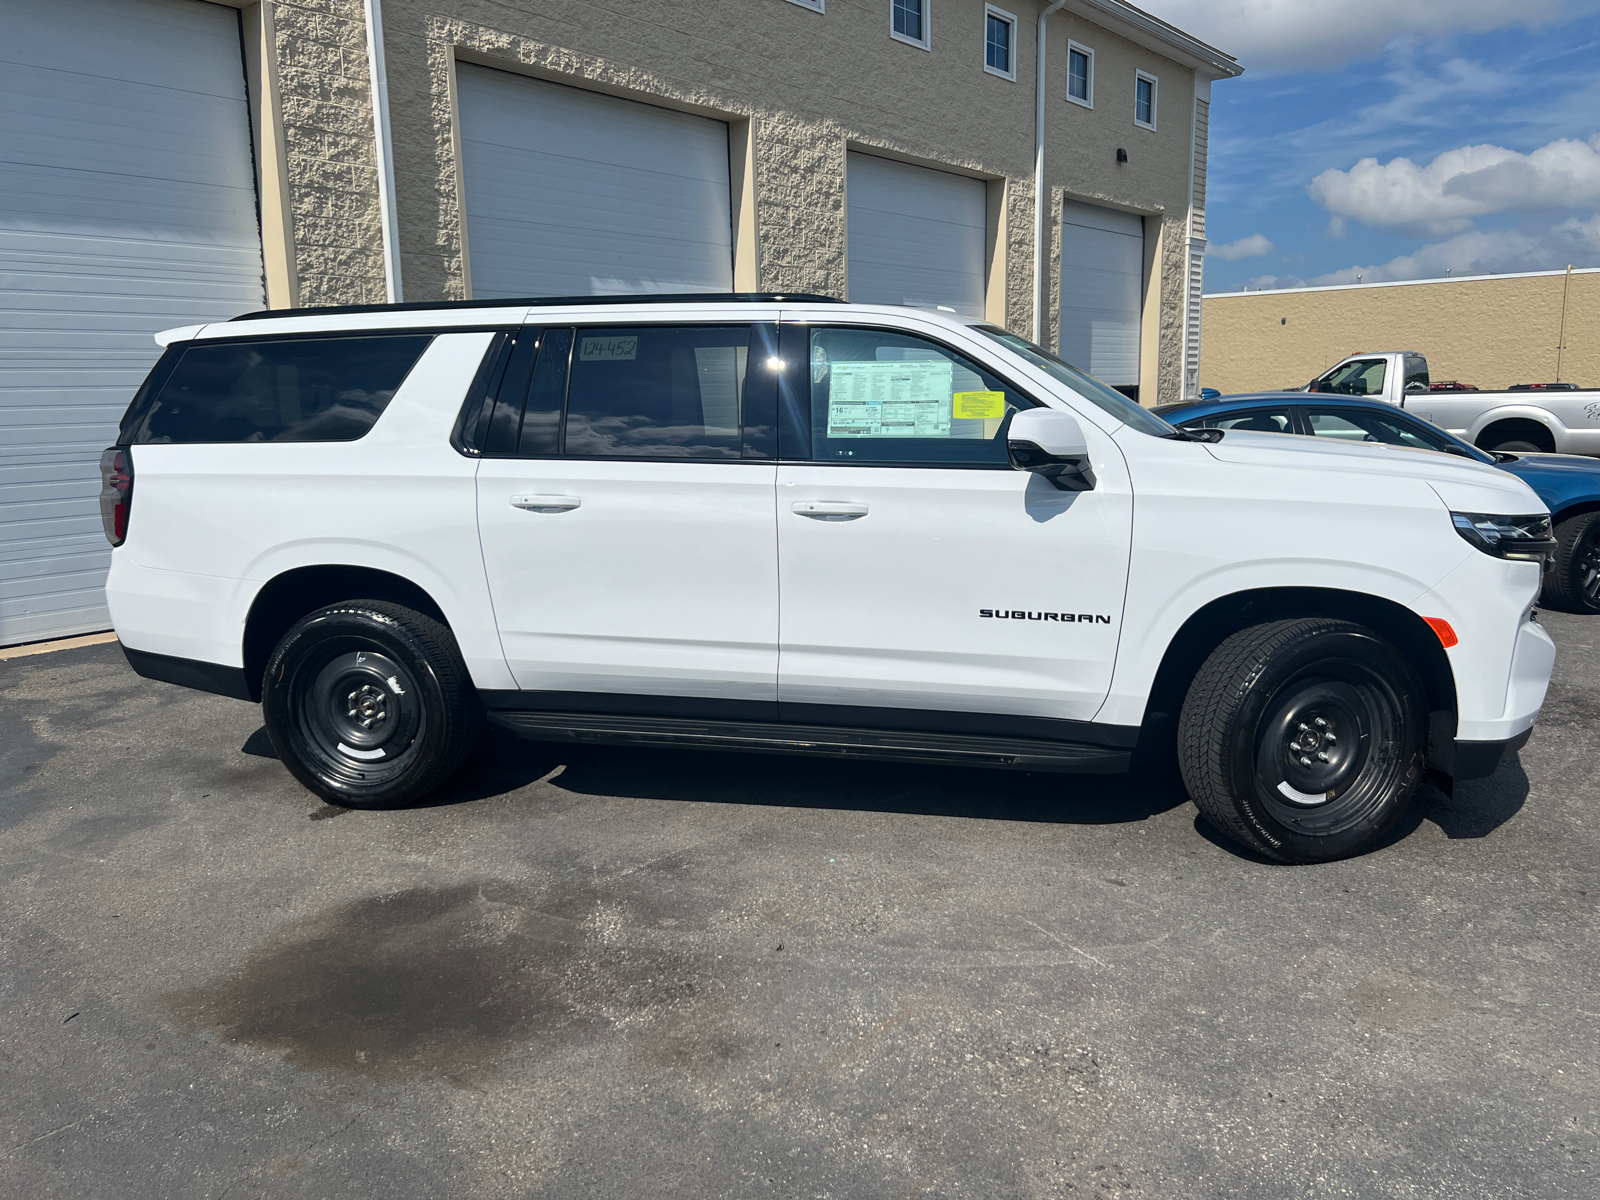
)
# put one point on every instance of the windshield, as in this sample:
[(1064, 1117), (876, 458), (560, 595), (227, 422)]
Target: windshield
[(1087, 386)]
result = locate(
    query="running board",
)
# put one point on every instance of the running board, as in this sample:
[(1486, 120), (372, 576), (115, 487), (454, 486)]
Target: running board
[(827, 741)]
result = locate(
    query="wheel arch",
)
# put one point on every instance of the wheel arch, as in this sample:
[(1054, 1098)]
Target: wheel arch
[(1576, 509), (287, 597), (1502, 422), (1218, 620)]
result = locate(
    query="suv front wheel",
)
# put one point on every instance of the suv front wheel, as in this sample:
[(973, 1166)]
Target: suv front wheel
[(1304, 739), (369, 704)]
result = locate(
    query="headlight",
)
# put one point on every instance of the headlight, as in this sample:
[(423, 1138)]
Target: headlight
[(1526, 538)]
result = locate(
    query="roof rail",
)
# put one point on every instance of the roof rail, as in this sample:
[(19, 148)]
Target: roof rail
[(268, 314)]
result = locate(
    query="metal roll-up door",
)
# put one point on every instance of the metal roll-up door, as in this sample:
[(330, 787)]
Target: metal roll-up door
[(127, 206), (1102, 291), (574, 193), (916, 235)]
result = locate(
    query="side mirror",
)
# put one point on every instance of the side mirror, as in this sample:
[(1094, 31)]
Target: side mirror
[(1051, 443)]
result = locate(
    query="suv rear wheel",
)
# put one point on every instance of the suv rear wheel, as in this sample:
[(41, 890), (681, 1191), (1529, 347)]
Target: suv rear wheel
[(1303, 739), (1573, 580), (369, 704)]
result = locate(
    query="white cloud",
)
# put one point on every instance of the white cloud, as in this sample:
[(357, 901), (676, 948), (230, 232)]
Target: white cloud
[(1253, 246), (1472, 181), (1278, 35), (1482, 252)]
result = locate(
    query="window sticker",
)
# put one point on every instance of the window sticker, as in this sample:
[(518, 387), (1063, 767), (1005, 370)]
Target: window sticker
[(978, 406), (890, 399), (608, 349)]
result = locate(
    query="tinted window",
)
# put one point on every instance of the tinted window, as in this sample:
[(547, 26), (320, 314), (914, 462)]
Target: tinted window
[(1354, 425), (1257, 420), (887, 397), (657, 391), (1416, 372), (328, 389)]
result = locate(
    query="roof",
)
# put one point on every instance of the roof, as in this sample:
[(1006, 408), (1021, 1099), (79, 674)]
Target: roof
[(1354, 287), (269, 314), (1151, 31)]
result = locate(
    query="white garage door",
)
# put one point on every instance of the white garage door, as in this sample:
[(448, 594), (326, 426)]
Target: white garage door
[(917, 236), (1102, 291), (127, 206), (571, 193)]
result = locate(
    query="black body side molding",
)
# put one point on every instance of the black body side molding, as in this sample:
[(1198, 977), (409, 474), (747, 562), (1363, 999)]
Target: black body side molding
[(190, 673)]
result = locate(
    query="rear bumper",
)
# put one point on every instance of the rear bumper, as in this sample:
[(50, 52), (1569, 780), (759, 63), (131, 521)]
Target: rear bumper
[(190, 673)]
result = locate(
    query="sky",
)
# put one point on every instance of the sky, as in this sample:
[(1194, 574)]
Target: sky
[(1372, 140)]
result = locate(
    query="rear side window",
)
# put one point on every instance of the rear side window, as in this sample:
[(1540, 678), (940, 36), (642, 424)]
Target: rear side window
[(657, 392), (323, 389)]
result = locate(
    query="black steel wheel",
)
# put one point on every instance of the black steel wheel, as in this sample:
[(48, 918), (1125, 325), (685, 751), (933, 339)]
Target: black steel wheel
[(1304, 739), (1572, 582), (369, 704)]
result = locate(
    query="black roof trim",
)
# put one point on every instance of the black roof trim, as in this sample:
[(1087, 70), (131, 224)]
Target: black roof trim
[(268, 314)]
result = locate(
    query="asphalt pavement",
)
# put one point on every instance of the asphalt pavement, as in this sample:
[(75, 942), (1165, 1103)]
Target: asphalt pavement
[(608, 973)]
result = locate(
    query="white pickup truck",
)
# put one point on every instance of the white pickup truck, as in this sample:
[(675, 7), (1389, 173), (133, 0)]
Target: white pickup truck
[(1547, 420)]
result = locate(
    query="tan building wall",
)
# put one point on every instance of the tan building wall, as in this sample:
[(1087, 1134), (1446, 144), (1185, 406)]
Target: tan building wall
[(798, 90), (1492, 331)]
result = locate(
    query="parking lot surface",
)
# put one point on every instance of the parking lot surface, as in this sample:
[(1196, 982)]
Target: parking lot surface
[(609, 973)]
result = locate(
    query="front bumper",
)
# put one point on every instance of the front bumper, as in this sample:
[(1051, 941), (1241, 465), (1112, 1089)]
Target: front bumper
[(1479, 760)]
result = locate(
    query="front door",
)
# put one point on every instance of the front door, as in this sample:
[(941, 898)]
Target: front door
[(921, 574), (627, 522)]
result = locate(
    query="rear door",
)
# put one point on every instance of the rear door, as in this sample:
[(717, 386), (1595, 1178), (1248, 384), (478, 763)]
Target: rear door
[(925, 583), (625, 504)]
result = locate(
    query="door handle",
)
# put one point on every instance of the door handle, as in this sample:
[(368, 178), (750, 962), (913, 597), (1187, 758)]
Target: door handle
[(546, 504), (830, 510)]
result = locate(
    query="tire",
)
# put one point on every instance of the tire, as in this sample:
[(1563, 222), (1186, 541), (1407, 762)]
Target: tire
[(1258, 718), (1573, 581), (369, 704)]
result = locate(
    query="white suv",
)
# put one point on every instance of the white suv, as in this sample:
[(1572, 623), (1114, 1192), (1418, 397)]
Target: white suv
[(783, 523)]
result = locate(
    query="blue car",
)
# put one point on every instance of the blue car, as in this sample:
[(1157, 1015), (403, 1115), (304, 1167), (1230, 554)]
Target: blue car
[(1569, 484)]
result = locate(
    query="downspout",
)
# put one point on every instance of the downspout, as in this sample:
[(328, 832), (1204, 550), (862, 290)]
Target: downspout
[(1038, 182), (393, 291)]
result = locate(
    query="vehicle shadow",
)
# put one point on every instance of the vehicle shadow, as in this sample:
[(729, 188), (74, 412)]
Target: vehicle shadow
[(1477, 808), (867, 786)]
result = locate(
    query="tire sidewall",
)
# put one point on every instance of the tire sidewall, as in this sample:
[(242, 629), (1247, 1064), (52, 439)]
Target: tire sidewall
[(1572, 535), (352, 626), (1405, 741)]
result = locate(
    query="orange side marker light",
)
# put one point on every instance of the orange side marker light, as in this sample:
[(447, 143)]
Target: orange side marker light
[(1447, 636)]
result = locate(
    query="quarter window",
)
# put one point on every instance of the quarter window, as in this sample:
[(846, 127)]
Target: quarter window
[(1144, 100), (1000, 43), (908, 21), (656, 392), (1080, 74), (880, 396), (325, 389)]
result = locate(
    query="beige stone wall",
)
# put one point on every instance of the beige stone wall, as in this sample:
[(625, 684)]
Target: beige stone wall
[(808, 87), (324, 86), (1488, 332)]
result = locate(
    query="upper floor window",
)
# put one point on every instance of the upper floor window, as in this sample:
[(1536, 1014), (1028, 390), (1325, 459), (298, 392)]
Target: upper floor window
[(814, 5), (1144, 100), (908, 21), (1080, 74), (1000, 43)]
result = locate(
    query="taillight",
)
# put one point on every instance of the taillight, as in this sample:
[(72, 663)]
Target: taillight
[(116, 492)]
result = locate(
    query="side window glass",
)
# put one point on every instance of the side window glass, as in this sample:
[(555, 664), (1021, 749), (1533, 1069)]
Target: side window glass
[(541, 417), (646, 391), (1364, 377), (1367, 427), (880, 396), (1256, 421), (321, 389)]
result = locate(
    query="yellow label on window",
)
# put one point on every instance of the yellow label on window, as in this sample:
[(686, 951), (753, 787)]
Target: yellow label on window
[(978, 406)]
